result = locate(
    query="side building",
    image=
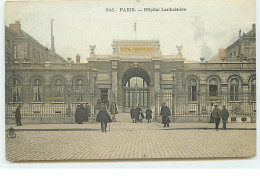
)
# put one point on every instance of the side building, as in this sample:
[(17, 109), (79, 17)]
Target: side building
[(135, 73)]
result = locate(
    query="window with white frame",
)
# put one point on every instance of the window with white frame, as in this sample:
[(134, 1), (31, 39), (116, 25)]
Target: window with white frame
[(58, 88), (253, 89), (79, 90), (192, 90), (16, 90), (234, 84), (37, 90), (213, 87)]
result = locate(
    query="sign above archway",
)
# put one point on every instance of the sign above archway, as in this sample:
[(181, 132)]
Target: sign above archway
[(136, 49)]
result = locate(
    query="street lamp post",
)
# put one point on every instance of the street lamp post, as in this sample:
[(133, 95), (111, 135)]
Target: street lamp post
[(69, 109), (199, 103), (95, 71), (13, 90), (173, 77)]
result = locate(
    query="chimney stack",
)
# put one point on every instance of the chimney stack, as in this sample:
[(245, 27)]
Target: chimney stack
[(239, 34), (77, 59), (253, 29), (16, 27)]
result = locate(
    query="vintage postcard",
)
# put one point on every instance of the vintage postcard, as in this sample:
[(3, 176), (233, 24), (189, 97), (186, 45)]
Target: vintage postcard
[(130, 79)]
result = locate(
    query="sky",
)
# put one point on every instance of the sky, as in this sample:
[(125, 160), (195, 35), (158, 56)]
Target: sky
[(202, 29)]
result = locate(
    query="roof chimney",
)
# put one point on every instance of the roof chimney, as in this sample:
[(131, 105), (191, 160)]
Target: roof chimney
[(16, 27), (239, 34), (77, 59), (253, 29)]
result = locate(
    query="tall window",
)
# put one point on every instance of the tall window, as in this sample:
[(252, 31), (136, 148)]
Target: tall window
[(234, 83), (16, 90), (192, 90), (79, 90), (58, 88), (104, 95), (37, 90), (15, 52), (213, 87), (253, 90)]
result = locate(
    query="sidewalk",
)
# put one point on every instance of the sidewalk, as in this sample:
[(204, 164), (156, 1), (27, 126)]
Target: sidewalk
[(123, 126)]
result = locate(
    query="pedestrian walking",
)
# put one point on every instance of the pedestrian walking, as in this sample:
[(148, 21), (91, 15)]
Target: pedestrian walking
[(104, 118), (18, 115), (141, 116), (137, 113), (86, 113), (89, 109), (211, 119), (132, 112), (148, 115), (79, 118), (98, 104), (224, 115), (165, 113), (217, 116)]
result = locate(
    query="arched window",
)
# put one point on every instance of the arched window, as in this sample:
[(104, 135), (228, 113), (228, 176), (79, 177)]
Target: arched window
[(253, 89), (234, 84), (58, 88), (16, 90), (79, 90), (192, 90), (213, 87), (136, 82), (37, 90)]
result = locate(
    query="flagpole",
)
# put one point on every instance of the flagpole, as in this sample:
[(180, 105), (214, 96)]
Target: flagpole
[(135, 29)]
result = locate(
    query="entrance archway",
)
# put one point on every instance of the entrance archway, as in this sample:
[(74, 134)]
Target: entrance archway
[(136, 85)]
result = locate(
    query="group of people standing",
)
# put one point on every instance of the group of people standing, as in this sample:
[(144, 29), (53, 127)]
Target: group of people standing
[(82, 113), (217, 114), (137, 114)]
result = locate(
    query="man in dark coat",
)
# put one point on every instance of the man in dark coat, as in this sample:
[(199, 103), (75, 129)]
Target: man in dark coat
[(225, 115), (132, 112), (104, 118), (211, 119), (148, 115), (18, 115), (217, 116), (79, 118), (137, 113), (86, 113), (165, 113)]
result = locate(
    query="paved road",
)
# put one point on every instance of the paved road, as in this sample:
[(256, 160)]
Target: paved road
[(127, 141)]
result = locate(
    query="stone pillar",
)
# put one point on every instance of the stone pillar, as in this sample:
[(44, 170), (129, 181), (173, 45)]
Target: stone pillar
[(157, 77), (114, 79), (156, 88)]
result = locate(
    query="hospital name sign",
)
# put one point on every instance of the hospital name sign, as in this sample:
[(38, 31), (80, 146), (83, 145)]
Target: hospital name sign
[(136, 48)]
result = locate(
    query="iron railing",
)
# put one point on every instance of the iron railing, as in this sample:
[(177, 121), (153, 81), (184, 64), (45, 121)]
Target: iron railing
[(182, 106)]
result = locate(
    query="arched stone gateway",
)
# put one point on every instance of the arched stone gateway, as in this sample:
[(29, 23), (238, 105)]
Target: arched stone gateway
[(136, 88)]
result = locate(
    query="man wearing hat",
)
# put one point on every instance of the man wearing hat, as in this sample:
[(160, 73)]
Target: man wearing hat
[(18, 115), (104, 118), (217, 116), (225, 115)]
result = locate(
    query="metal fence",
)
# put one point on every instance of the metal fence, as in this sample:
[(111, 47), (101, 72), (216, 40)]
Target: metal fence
[(51, 107), (200, 104)]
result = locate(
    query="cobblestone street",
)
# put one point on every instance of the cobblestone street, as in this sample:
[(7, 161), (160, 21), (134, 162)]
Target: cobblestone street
[(129, 141)]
